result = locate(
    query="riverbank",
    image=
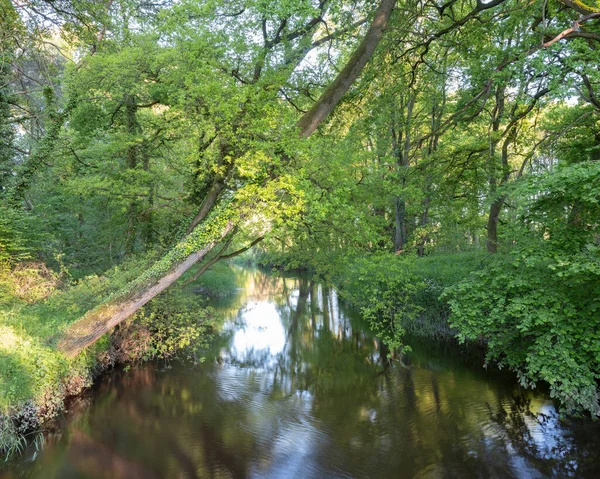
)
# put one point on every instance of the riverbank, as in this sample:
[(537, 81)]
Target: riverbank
[(405, 290), (521, 306), (36, 378)]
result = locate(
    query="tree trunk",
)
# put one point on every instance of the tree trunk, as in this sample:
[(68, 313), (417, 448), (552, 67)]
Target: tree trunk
[(496, 206), (403, 161), (400, 236), (332, 96), (492, 225), (133, 128), (94, 325), (209, 202), (97, 323)]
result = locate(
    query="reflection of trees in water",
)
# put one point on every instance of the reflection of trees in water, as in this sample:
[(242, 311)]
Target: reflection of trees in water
[(557, 447), (328, 384)]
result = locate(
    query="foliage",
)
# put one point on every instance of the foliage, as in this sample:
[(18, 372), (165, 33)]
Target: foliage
[(537, 305), (33, 374), (382, 290), (11, 442), (121, 122), (399, 293), (27, 281), (179, 326), (13, 238), (218, 282)]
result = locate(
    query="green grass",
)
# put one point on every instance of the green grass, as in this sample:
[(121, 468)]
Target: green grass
[(219, 281)]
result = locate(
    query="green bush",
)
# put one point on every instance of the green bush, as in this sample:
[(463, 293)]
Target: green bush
[(175, 324), (538, 311), (382, 289), (401, 293), (538, 305)]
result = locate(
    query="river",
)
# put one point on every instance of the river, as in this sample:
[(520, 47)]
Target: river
[(296, 386)]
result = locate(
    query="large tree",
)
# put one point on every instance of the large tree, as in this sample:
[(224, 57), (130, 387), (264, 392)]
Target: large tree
[(240, 134)]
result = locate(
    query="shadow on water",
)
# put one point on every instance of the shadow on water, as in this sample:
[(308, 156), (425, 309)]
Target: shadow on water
[(296, 385)]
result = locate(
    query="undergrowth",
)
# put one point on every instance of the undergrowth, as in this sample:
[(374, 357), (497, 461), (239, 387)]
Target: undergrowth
[(400, 294)]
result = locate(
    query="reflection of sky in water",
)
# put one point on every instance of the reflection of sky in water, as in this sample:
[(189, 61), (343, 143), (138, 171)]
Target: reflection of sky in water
[(260, 331)]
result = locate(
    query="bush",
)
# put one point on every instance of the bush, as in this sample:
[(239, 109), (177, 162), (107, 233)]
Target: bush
[(538, 310), (537, 305), (177, 325), (401, 293), (382, 289), (28, 281)]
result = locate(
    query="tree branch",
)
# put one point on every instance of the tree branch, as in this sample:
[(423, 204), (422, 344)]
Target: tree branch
[(338, 88)]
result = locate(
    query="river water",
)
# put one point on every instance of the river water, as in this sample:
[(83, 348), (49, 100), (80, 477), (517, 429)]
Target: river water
[(296, 386)]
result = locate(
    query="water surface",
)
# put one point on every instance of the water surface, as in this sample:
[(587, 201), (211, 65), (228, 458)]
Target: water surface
[(296, 386)]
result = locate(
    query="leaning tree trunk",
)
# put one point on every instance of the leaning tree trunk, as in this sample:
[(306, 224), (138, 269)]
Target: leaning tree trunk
[(98, 322)]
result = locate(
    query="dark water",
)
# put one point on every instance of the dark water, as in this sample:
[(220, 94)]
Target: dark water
[(297, 387)]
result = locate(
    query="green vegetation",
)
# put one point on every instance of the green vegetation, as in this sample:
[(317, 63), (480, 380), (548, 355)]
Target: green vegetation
[(35, 377), (217, 282), (437, 161), (537, 304), (402, 294)]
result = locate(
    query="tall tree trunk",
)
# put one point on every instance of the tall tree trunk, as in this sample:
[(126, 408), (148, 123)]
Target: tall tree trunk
[(402, 151), (400, 232), (496, 206), (498, 203), (332, 95), (94, 325), (492, 225), (132, 126), (424, 221)]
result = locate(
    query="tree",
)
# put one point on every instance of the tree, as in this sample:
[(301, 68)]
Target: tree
[(217, 217)]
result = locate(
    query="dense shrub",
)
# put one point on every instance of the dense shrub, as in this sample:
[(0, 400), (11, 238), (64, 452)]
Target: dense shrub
[(536, 312), (401, 293), (173, 324), (382, 289), (538, 305)]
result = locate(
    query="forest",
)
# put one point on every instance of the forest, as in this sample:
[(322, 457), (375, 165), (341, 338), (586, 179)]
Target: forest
[(436, 161)]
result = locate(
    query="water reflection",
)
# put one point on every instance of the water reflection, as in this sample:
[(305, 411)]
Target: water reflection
[(296, 386)]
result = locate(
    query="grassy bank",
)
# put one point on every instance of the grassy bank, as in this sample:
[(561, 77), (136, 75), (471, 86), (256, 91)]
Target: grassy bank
[(36, 306)]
